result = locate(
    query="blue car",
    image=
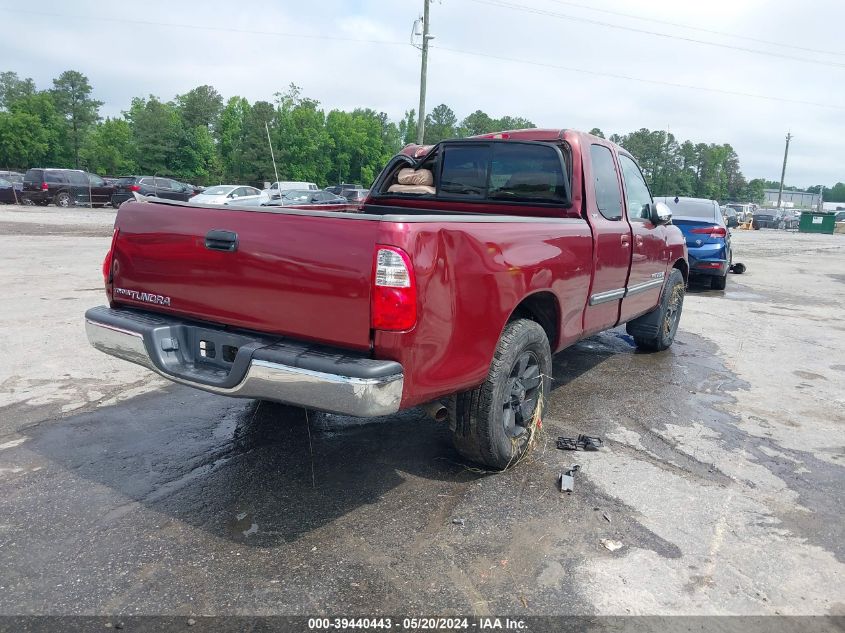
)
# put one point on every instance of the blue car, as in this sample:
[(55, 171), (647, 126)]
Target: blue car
[(708, 239)]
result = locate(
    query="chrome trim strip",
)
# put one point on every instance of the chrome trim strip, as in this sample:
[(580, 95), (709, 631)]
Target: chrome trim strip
[(605, 297), (360, 397), (643, 287)]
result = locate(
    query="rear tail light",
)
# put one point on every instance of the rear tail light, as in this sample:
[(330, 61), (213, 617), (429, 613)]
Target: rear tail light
[(712, 231), (134, 188), (107, 263), (394, 304), (44, 186)]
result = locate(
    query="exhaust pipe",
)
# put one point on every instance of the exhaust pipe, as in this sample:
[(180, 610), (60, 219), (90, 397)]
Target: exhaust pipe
[(435, 410)]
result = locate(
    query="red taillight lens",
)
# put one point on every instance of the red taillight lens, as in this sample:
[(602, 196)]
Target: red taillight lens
[(394, 290), (107, 262), (134, 188), (44, 186), (712, 231)]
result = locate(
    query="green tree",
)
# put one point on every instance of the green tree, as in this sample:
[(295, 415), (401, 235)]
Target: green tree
[(477, 123), (200, 107), (597, 132), (72, 95), (41, 106), (440, 124), (511, 123), (408, 127), (13, 88), (230, 137), (23, 140), (156, 134), (109, 149)]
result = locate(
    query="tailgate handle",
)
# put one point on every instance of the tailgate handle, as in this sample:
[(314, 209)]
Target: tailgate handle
[(220, 240)]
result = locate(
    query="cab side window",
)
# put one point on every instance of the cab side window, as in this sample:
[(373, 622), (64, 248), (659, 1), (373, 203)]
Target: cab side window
[(606, 182), (637, 195)]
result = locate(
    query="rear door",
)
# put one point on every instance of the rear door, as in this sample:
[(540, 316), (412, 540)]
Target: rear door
[(611, 237), (287, 273), (650, 244), (100, 191)]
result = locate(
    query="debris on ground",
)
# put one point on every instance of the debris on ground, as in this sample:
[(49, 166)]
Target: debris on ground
[(737, 268), (606, 517), (584, 442), (566, 480), (611, 545), (458, 521)]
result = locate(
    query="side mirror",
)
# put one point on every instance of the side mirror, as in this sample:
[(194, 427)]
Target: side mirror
[(660, 213)]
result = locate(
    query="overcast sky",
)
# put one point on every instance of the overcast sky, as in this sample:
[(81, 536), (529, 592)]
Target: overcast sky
[(131, 51)]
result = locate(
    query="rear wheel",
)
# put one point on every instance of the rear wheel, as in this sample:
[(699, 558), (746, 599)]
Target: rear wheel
[(62, 199), (495, 424), (656, 330), (719, 283)]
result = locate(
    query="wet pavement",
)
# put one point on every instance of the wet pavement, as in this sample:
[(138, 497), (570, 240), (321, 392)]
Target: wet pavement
[(721, 476)]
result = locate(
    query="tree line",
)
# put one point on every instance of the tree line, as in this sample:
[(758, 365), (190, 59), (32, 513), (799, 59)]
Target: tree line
[(201, 138)]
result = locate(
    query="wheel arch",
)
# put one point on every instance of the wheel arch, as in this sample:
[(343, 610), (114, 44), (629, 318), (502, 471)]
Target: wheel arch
[(542, 307), (683, 266)]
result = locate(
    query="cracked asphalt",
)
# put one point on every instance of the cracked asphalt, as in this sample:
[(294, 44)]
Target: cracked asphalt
[(721, 474)]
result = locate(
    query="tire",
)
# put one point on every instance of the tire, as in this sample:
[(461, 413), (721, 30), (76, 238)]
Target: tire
[(62, 199), (655, 331), (719, 283), (495, 424), (43, 203)]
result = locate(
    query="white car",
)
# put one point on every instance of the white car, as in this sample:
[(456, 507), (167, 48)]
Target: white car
[(222, 194), (276, 190)]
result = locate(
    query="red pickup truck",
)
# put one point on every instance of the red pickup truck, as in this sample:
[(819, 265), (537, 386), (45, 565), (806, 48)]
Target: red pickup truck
[(470, 263)]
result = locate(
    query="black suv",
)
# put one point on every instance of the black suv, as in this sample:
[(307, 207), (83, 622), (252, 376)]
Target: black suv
[(151, 186), (65, 188)]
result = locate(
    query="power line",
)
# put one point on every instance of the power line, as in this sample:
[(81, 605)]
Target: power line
[(197, 27), (698, 28), (563, 16), (640, 79)]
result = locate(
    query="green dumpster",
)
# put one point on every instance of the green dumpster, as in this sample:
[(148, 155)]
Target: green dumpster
[(816, 222)]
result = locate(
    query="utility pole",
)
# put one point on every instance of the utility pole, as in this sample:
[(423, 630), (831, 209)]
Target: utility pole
[(783, 171), (424, 69)]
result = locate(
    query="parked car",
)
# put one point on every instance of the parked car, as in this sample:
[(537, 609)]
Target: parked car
[(221, 194), (789, 219), (65, 188), (708, 239), (355, 196), (765, 219), (305, 198), (8, 194), (336, 189), (418, 299), (277, 188), (151, 186), (839, 217), (730, 216), (296, 197)]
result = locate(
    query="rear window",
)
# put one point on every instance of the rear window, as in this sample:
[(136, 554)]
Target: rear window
[(217, 191), (32, 175), (507, 171), (698, 209)]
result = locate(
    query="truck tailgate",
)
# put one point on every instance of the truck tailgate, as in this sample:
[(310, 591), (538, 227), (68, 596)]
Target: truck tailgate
[(304, 276)]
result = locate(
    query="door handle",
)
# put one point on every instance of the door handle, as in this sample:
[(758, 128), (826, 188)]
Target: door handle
[(626, 240), (221, 240), (638, 240)]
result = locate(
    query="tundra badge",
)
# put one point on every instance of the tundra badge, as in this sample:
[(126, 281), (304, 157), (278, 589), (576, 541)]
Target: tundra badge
[(146, 297)]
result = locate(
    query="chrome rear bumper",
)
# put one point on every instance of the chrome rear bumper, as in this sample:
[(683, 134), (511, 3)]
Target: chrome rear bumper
[(282, 371)]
